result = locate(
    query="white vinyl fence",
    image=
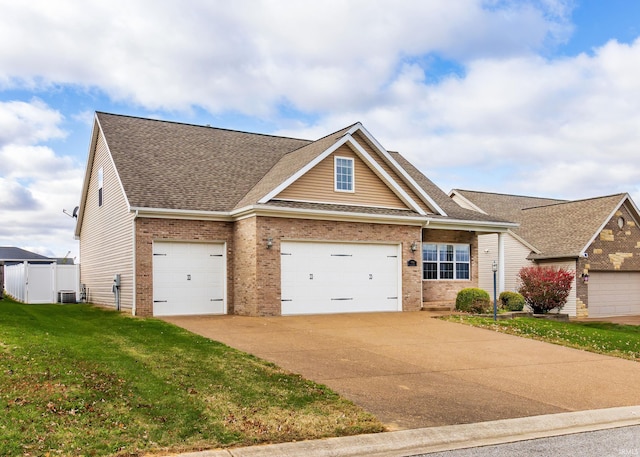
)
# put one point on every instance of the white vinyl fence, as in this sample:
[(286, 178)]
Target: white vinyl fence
[(38, 283)]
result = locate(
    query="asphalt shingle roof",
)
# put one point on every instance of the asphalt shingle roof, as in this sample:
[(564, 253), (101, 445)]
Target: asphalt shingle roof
[(180, 166), (557, 228), (9, 253), (170, 165), (445, 202)]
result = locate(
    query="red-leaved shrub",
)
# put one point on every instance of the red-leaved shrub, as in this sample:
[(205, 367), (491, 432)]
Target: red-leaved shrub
[(545, 288)]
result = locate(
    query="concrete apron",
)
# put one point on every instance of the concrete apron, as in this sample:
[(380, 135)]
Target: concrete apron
[(413, 371)]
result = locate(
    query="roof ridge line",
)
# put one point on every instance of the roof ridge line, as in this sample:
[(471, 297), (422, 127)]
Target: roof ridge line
[(207, 126), (577, 201)]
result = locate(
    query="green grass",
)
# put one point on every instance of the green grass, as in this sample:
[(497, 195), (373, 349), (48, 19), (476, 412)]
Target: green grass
[(600, 337), (81, 380)]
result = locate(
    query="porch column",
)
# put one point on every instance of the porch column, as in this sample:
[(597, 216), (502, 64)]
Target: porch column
[(500, 262)]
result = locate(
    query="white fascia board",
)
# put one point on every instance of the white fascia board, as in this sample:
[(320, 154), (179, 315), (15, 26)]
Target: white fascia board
[(347, 138), (476, 226), (164, 213), (472, 205), (303, 170), (300, 213), (85, 184), (604, 223), (398, 168), (385, 176)]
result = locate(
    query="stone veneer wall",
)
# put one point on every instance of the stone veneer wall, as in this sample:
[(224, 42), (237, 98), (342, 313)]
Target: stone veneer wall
[(614, 249), (439, 291), (149, 229), (266, 281)]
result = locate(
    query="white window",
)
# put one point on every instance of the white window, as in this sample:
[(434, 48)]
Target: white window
[(344, 177), (446, 261), (100, 183)]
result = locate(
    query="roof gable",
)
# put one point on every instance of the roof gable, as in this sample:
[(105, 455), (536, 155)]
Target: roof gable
[(170, 169), (318, 184), (349, 138), (556, 228)]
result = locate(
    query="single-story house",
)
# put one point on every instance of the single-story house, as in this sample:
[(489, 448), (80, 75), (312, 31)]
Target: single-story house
[(598, 238), (186, 219)]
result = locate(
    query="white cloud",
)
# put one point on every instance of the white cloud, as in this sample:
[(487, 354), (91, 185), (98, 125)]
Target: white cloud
[(35, 183), (28, 122), (250, 56), (564, 127)]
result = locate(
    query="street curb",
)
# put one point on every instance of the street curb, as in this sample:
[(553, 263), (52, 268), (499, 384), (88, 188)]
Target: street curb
[(435, 439)]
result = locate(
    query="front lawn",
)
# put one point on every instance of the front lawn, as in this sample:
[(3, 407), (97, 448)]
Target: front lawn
[(81, 380), (601, 337)]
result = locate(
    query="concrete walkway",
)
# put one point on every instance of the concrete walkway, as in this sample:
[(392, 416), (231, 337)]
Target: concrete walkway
[(413, 371)]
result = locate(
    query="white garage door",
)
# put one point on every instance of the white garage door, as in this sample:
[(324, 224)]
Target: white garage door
[(188, 278), (614, 293), (320, 278)]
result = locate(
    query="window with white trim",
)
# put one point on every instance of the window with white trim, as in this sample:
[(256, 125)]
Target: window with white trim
[(344, 177), (100, 184), (446, 261)]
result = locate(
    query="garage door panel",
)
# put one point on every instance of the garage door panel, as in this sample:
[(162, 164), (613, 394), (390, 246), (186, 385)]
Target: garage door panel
[(339, 277), (614, 294), (188, 278)]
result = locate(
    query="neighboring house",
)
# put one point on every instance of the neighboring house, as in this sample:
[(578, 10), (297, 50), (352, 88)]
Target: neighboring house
[(598, 238), (10, 255), (201, 220)]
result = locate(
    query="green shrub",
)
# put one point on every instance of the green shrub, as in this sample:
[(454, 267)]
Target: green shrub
[(511, 301), (473, 300)]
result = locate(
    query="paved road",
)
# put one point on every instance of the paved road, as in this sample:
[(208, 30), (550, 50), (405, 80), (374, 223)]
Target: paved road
[(617, 442)]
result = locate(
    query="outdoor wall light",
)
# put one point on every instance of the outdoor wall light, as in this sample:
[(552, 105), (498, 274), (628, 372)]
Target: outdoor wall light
[(585, 277), (414, 246), (269, 242), (494, 266)]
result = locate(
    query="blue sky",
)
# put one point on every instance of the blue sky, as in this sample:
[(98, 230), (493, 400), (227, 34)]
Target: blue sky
[(535, 97)]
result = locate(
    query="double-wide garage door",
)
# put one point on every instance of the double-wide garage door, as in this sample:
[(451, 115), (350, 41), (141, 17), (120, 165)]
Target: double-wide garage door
[(188, 278), (322, 278), (614, 293)]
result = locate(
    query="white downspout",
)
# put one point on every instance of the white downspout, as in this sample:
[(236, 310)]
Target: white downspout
[(501, 268)]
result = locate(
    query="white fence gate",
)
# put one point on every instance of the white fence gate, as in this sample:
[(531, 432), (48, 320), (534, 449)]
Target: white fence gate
[(38, 283)]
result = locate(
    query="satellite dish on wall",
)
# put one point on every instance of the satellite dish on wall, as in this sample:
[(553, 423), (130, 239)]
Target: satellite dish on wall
[(75, 212)]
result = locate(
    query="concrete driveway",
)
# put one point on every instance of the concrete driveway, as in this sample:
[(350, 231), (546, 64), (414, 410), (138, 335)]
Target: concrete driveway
[(413, 371)]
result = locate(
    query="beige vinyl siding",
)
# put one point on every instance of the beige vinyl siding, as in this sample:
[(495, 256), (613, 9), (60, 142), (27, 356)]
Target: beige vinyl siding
[(317, 185), (515, 257), (386, 167), (106, 236)]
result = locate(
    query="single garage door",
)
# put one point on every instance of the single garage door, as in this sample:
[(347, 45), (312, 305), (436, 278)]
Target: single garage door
[(614, 293), (188, 278), (321, 278)]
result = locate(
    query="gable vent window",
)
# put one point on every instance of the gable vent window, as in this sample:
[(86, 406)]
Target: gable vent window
[(446, 261), (100, 184), (344, 174)]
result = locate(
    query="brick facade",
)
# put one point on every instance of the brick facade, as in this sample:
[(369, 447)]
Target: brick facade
[(614, 249), (278, 229), (148, 230), (439, 291), (253, 271)]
